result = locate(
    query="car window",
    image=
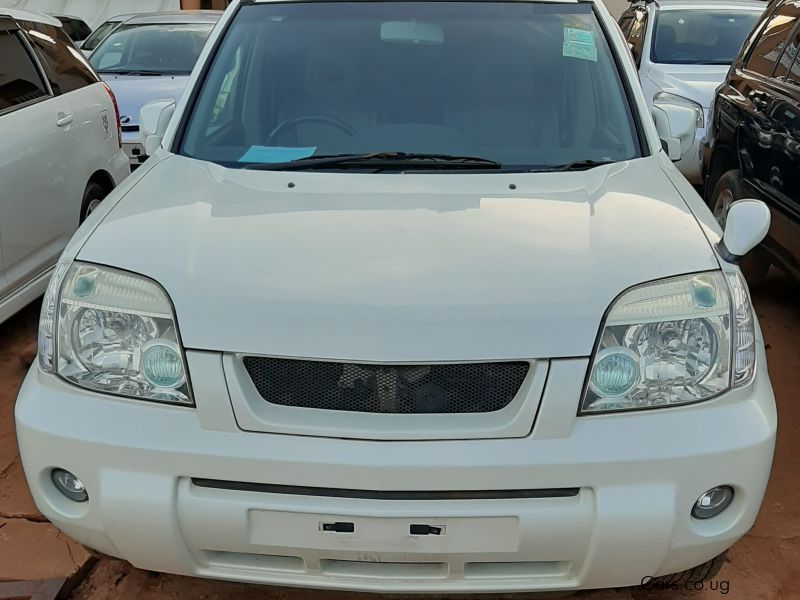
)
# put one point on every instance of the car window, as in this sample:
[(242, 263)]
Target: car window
[(154, 48), (707, 36), (76, 29), (20, 81), (98, 35), (224, 107), (783, 68), (792, 75), (65, 65), (764, 56), (525, 84)]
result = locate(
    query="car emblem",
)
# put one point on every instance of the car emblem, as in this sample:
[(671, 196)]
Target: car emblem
[(104, 121)]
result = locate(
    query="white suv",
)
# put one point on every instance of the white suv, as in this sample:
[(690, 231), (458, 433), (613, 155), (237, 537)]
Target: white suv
[(408, 298), (683, 49), (60, 151)]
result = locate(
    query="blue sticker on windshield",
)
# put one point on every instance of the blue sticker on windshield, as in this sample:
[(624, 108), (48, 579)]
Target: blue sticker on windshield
[(579, 43), (275, 154)]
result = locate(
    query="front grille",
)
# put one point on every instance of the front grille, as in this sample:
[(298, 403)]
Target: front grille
[(404, 389)]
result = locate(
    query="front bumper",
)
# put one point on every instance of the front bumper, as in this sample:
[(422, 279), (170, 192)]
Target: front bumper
[(615, 491)]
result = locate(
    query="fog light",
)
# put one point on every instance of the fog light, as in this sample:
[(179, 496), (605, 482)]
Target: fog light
[(713, 502), (616, 372), (69, 485), (162, 364)]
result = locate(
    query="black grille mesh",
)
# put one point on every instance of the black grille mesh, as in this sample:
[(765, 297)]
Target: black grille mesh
[(409, 389)]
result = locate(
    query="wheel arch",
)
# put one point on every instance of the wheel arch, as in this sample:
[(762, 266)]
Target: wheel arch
[(103, 179), (723, 159)]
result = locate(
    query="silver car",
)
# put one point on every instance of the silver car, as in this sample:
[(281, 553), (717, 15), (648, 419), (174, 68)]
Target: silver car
[(149, 57), (102, 32)]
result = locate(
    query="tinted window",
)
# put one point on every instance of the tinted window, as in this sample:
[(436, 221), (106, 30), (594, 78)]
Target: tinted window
[(19, 78), (785, 66), (160, 48), (99, 34), (64, 64), (708, 37), (773, 38), (525, 84), (76, 29), (793, 74)]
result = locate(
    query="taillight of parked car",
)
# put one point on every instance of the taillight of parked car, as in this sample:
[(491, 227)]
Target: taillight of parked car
[(116, 114)]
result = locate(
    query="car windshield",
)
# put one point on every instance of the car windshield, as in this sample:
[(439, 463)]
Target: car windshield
[(99, 34), (525, 85), (76, 29), (701, 37), (166, 49)]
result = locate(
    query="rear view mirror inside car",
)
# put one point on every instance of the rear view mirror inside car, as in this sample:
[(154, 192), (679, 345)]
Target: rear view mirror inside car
[(411, 32)]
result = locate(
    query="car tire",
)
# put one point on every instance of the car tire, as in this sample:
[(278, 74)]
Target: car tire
[(93, 195), (728, 189), (708, 570)]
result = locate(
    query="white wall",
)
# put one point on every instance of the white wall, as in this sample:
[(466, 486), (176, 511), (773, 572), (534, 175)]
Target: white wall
[(94, 12), (616, 6)]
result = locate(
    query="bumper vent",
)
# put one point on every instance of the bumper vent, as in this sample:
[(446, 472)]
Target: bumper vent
[(400, 389)]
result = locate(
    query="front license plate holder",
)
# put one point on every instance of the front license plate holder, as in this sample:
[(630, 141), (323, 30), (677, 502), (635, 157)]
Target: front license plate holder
[(384, 534)]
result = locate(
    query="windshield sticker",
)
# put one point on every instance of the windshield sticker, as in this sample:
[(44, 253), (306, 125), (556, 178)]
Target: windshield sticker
[(579, 43), (275, 154)]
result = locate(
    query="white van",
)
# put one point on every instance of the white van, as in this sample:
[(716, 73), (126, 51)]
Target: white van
[(60, 150)]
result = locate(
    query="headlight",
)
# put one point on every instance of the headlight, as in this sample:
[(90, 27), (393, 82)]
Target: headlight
[(667, 98), (112, 332), (672, 342)]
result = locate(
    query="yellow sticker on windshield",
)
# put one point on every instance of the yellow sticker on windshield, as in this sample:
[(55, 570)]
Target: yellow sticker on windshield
[(579, 43)]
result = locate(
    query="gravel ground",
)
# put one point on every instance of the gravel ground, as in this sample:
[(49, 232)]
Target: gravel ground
[(763, 565)]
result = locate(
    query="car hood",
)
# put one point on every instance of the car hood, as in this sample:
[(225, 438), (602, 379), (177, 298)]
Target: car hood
[(399, 267), (696, 82), (134, 91)]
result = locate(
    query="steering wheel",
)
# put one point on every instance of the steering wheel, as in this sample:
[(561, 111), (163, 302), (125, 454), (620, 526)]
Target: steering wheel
[(293, 122)]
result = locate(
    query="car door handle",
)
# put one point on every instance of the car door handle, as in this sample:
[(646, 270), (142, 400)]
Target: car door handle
[(64, 119)]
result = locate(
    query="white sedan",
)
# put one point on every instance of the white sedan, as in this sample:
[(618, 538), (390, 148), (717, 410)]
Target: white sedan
[(409, 297)]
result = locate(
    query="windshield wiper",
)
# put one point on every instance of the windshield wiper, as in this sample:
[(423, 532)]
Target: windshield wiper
[(131, 72), (578, 165), (381, 160)]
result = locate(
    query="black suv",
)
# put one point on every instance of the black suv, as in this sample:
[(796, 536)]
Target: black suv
[(753, 147)]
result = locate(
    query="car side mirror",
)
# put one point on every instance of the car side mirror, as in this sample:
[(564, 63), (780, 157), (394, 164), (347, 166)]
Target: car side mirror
[(677, 126), (153, 120), (746, 225)]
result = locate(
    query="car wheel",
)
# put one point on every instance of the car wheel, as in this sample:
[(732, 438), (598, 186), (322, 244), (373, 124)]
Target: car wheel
[(92, 197), (708, 570), (755, 265)]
